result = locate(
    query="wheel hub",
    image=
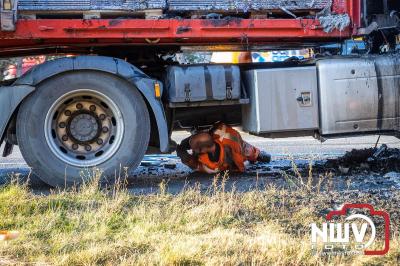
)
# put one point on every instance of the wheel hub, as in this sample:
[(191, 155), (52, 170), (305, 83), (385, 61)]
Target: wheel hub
[(84, 127)]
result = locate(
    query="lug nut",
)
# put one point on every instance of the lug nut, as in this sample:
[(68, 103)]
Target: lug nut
[(75, 146), (99, 141), (79, 106), (67, 113), (92, 108), (88, 148), (105, 129), (65, 138), (102, 116), (62, 125)]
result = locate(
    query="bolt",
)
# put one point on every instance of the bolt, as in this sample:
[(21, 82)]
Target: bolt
[(75, 146), (105, 129), (64, 138), (92, 108), (88, 148), (79, 106), (99, 141), (102, 116), (67, 113), (62, 125)]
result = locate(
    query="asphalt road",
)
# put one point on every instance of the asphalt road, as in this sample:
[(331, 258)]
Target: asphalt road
[(285, 152)]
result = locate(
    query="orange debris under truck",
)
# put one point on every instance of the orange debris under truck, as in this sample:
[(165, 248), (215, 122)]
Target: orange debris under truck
[(126, 89)]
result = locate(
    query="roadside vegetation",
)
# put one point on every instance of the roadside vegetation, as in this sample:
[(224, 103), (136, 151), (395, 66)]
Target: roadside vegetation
[(110, 226)]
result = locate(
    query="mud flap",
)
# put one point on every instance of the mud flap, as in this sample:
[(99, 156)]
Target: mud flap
[(10, 98)]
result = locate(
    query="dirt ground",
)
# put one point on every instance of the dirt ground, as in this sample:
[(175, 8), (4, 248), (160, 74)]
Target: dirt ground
[(292, 159)]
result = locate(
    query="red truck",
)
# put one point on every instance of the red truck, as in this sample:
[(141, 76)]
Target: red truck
[(126, 92)]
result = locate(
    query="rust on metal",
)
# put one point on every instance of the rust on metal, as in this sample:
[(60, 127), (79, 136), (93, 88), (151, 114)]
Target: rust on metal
[(53, 32)]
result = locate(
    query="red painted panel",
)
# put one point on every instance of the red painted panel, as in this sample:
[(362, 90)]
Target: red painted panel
[(66, 32), (72, 31)]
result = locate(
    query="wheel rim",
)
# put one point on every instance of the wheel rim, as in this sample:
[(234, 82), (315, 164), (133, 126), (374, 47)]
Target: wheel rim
[(84, 128)]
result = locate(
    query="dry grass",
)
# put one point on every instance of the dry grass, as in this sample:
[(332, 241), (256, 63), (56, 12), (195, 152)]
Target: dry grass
[(93, 226)]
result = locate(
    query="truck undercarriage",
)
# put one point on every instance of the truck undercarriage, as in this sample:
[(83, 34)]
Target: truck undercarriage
[(122, 93)]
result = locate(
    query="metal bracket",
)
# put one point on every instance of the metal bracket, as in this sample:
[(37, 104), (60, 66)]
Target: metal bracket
[(229, 90), (305, 99), (368, 30), (8, 149), (8, 14), (10, 98), (187, 92)]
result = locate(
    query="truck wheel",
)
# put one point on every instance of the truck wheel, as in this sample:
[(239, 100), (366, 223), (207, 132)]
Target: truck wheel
[(79, 120)]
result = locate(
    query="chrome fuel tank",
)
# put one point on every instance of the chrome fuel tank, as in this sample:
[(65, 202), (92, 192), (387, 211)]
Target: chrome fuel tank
[(346, 95), (359, 94), (281, 100)]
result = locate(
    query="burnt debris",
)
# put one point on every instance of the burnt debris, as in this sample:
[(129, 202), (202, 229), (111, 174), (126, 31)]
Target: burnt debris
[(380, 159)]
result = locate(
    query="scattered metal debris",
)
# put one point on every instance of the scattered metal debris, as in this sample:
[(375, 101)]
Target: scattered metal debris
[(333, 22), (382, 159), (330, 21), (378, 152), (246, 5), (288, 12)]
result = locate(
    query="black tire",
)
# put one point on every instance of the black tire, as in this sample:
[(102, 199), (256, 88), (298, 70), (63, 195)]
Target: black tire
[(31, 127)]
